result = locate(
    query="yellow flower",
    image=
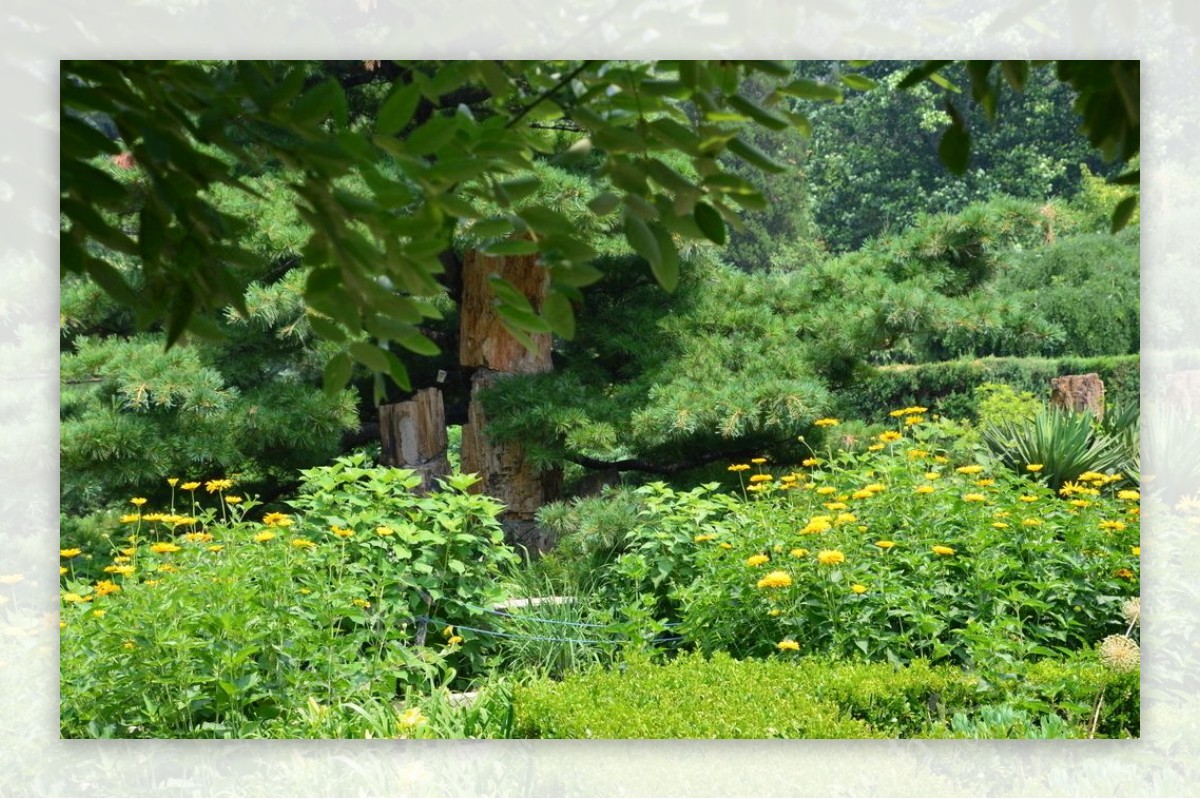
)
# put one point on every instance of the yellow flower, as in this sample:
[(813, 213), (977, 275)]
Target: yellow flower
[(384, 530), (830, 557), (911, 420), (846, 518), (192, 486), (700, 539), (875, 487), (941, 550), (139, 501), (858, 588), (1124, 574), (774, 612), (918, 453), (99, 614), (1112, 525), (1080, 503), (342, 532), (756, 560), (105, 587), (826, 490), (69, 553), (999, 525), (1034, 467), (198, 538), (233, 500), (1135, 551), (128, 645), (835, 505), (166, 567), (974, 498), (62, 570), (124, 571), (775, 579), (302, 543), (798, 552), (725, 545), (213, 486), (819, 524), (216, 547), (739, 467), (827, 422), (277, 520), (984, 483), (448, 630), (1031, 522), (810, 461), (972, 469), (787, 645), (360, 603), (940, 459), (885, 544), (71, 596), (264, 537), (925, 489), (875, 447), (172, 481), (1129, 494), (164, 547), (412, 717), (758, 460), (890, 436), (761, 478), (454, 639)]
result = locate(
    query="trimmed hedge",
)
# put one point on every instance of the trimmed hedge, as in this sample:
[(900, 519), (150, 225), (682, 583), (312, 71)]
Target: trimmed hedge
[(695, 697), (949, 386)]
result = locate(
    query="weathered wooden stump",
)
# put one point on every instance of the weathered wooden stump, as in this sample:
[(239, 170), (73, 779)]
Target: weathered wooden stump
[(1078, 393), (413, 436), (504, 471)]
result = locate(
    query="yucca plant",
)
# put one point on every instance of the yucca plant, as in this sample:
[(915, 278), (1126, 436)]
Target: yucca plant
[(1066, 444)]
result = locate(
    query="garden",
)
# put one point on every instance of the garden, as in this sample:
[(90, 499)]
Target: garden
[(819, 487)]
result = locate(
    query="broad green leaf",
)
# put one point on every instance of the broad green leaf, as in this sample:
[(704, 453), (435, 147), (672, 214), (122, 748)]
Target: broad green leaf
[(1124, 212), (955, 149), (557, 311), (666, 272), (752, 155), (811, 90), (369, 356), (604, 203), (766, 118), (642, 239), (918, 74), (397, 110), (510, 247), (859, 82), (319, 103), (325, 328), (708, 219)]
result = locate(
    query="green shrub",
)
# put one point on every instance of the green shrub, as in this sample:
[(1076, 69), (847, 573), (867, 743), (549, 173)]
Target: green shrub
[(805, 697), (691, 697), (950, 385), (234, 628)]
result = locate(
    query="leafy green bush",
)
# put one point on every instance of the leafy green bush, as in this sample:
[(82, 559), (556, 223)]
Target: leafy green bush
[(950, 385), (212, 629), (804, 697), (692, 697), (896, 552)]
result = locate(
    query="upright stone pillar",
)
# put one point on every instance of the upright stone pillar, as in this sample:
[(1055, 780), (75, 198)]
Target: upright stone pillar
[(1078, 393), (413, 436)]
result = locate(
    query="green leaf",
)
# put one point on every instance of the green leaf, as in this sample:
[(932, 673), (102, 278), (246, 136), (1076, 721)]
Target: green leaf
[(337, 374), (859, 82), (319, 102), (763, 116), (755, 156), (811, 90), (642, 239), (1124, 212), (1016, 73), (667, 271), (369, 356), (414, 341), (604, 203), (510, 247), (397, 110), (955, 149), (708, 219), (557, 311), (922, 72), (326, 329)]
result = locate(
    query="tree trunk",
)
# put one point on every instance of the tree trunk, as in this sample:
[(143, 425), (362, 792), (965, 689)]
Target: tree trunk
[(483, 339), (504, 471), (1078, 393), (413, 436)]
